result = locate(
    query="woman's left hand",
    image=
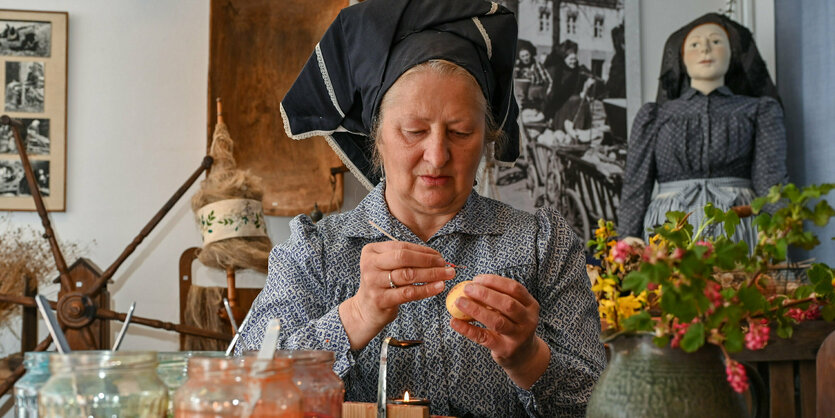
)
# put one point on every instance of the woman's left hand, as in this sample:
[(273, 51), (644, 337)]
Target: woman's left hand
[(510, 315)]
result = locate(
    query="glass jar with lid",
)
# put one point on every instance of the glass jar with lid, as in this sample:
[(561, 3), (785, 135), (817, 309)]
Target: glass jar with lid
[(322, 390), (26, 389), (103, 384)]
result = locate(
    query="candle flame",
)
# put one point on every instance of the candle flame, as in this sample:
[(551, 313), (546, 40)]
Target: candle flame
[(406, 396)]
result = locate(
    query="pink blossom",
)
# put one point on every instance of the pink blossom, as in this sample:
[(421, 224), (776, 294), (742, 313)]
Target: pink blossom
[(621, 251), (652, 286), (736, 375), (712, 292), (680, 329), (757, 336), (709, 246), (678, 253), (800, 315)]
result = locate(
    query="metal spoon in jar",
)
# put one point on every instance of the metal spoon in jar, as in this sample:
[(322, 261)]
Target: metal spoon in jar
[(124, 329), (52, 325)]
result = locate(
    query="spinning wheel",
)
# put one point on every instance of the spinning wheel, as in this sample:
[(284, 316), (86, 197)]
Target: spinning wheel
[(79, 305)]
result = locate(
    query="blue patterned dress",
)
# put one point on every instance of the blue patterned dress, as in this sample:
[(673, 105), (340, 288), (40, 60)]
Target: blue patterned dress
[(318, 268)]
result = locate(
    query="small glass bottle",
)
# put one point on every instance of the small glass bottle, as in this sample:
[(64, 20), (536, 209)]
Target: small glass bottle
[(26, 389), (103, 384), (322, 390)]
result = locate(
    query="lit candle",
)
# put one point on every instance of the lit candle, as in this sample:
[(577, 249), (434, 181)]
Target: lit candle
[(408, 400)]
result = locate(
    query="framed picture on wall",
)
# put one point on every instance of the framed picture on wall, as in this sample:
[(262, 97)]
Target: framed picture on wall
[(33, 67), (572, 81)]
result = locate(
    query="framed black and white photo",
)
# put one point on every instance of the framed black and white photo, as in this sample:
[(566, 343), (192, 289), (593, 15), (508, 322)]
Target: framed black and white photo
[(570, 82), (33, 64)]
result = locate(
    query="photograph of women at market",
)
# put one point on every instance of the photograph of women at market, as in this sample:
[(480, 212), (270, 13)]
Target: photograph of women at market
[(414, 126), (571, 89)]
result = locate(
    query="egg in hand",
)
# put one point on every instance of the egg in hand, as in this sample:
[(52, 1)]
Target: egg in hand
[(456, 292)]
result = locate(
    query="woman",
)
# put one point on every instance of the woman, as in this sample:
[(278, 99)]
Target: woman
[(716, 134), (528, 68), (433, 101)]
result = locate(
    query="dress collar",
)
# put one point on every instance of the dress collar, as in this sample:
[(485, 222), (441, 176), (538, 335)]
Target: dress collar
[(479, 216), (691, 92)]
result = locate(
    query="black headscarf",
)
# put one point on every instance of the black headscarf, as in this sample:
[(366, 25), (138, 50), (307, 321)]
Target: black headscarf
[(747, 73), (370, 44)]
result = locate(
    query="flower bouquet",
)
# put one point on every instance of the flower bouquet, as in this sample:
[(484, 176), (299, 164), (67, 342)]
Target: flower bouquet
[(691, 286)]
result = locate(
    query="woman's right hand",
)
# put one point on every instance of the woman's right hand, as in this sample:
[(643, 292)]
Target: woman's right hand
[(391, 273)]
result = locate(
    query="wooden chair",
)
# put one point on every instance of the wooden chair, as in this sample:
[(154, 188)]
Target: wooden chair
[(826, 377), (244, 296), (791, 376)]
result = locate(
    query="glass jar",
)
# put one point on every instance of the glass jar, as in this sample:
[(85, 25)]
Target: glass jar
[(235, 387), (26, 389), (215, 388), (271, 388), (322, 390), (103, 384), (173, 370)]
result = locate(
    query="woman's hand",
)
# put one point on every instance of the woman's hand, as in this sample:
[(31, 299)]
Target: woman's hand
[(510, 315), (389, 275)]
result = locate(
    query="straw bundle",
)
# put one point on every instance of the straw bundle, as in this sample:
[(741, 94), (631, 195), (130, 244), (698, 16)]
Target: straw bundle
[(226, 181)]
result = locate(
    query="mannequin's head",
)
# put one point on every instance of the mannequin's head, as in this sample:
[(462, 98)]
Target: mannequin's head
[(745, 72), (706, 53)]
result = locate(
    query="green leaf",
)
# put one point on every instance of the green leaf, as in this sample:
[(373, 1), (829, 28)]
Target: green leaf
[(692, 265), (762, 221), (636, 281), (675, 304), (694, 338), (731, 222), (728, 254), (713, 214), (728, 293), (758, 204), (752, 299), (638, 322), (675, 217), (782, 248), (822, 213), (733, 337), (784, 330), (661, 342), (791, 192), (821, 277), (802, 292), (828, 312), (657, 272)]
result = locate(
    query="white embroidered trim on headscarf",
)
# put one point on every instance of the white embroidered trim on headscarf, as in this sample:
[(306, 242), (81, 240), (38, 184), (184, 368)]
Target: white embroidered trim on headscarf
[(487, 42), (324, 70)]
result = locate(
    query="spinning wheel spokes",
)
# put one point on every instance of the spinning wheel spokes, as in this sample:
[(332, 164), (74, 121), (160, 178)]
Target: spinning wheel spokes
[(76, 309)]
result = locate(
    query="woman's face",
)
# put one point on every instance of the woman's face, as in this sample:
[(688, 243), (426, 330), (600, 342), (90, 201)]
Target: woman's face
[(707, 52), (571, 59), (525, 56), (431, 140)]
